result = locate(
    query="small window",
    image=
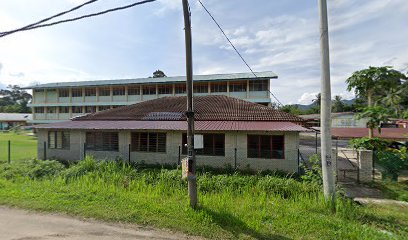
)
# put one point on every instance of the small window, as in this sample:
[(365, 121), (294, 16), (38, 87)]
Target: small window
[(102, 141), (104, 91), (39, 90), (148, 142), (219, 87), (51, 110), (214, 145), (258, 85), (180, 88), (118, 91), (90, 109), (63, 109), (77, 92), (90, 92), (200, 88), (165, 89), (134, 91), (58, 140), (266, 146), (149, 90), (76, 109), (103, 108), (238, 86), (39, 109), (63, 93)]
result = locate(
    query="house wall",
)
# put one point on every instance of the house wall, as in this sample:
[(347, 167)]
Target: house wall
[(233, 140), (348, 121)]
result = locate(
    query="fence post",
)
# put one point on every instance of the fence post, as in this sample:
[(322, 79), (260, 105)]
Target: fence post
[(129, 154), (9, 152), (45, 150), (84, 150), (235, 158), (316, 142), (179, 156)]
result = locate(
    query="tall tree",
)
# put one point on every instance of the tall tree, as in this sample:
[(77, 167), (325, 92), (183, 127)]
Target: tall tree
[(318, 100), (159, 74), (371, 82), (16, 97), (393, 100)]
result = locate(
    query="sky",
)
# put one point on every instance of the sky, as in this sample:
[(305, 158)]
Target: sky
[(280, 36)]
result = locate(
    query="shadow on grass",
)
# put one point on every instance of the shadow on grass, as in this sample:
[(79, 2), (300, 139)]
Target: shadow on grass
[(235, 226)]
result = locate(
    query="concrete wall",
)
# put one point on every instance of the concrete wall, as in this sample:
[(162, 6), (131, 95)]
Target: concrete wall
[(233, 140)]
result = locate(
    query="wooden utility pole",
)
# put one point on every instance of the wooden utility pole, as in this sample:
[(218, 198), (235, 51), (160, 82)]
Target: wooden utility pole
[(192, 180), (325, 107)]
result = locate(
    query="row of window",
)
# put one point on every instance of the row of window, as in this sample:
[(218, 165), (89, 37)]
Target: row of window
[(259, 146), (74, 109), (239, 86)]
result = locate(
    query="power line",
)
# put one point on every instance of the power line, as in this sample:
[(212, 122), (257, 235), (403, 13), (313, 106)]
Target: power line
[(81, 17), (47, 19), (236, 50)]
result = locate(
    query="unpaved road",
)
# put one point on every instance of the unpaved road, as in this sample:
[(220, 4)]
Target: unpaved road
[(16, 224)]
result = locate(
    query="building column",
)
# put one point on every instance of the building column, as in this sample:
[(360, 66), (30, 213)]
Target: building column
[(228, 82), (247, 89)]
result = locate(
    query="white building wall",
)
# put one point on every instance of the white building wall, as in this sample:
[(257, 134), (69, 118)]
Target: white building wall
[(233, 140)]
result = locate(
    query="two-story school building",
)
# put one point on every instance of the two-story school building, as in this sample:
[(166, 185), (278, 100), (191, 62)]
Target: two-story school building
[(54, 102), (234, 132)]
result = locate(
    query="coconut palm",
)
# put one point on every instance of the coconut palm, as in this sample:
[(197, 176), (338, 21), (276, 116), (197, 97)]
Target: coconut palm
[(338, 105)]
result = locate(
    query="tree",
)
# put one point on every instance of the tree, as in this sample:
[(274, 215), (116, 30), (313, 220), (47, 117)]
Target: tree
[(338, 105), (318, 100), (159, 74), (371, 82), (393, 100), (375, 115), (14, 99), (292, 109)]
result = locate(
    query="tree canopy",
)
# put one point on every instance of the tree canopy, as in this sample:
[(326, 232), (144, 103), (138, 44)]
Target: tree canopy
[(14, 100)]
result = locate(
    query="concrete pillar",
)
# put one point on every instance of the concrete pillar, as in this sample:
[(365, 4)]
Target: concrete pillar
[(365, 165)]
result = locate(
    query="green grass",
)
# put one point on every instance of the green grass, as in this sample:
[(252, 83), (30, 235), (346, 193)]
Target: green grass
[(393, 190), (233, 206), (22, 146)]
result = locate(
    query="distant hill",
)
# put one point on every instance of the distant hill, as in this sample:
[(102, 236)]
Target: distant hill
[(307, 107)]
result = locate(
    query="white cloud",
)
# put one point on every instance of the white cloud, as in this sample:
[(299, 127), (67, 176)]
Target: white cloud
[(307, 98)]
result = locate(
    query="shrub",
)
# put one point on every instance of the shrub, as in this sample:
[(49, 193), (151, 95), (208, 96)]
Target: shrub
[(44, 168), (377, 144), (312, 170), (393, 162)]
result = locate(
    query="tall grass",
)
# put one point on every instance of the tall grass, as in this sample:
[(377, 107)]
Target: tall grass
[(230, 205)]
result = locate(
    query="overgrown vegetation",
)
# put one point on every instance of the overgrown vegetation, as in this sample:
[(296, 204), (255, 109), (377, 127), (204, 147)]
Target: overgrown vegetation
[(231, 205)]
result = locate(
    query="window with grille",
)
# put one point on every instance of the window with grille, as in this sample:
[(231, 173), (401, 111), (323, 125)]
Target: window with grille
[(102, 141), (200, 88), (148, 142), (76, 92), (134, 91), (180, 88), (90, 109), (76, 109), (104, 91), (149, 90), (258, 85), (219, 87), (238, 86), (51, 109), (90, 92), (165, 89), (118, 91), (39, 109), (58, 140), (266, 146), (63, 92), (103, 108), (214, 145), (63, 109)]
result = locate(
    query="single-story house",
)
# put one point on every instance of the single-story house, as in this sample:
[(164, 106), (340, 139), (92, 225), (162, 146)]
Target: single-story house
[(11, 120), (235, 132), (339, 120)]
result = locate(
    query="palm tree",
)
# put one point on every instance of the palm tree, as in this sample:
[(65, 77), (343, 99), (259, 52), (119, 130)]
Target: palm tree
[(393, 100), (338, 105), (318, 99)]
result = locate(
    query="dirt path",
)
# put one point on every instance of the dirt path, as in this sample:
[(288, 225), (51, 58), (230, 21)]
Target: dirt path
[(16, 224)]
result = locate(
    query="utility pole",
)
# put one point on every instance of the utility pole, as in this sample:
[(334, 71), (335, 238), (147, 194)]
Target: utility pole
[(192, 179), (325, 107)]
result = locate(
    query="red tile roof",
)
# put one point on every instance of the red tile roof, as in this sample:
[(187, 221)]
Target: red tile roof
[(387, 133), (206, 108), (176, 125)]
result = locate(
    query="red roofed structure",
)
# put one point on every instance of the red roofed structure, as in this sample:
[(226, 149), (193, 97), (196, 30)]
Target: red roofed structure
[(233, 132)]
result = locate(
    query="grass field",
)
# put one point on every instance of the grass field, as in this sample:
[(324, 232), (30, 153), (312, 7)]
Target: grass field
[(231, 206), (22, 146)]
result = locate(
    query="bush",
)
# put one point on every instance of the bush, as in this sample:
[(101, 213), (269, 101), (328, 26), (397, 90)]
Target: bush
[(45, 168), (377, 144), (393, 162), (312, 170)]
